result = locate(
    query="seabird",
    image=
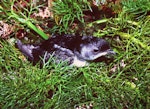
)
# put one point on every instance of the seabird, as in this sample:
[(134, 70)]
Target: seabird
[(74, 49)]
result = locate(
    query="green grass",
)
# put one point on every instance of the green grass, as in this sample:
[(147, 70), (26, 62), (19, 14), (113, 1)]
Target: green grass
[(139, 9), (121, 84), (22, 16), (55, 86)]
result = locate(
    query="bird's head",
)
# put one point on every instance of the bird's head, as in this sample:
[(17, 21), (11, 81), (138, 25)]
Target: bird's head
[(93, 48)]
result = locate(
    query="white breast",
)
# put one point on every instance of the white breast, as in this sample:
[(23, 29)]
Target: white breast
[(79, 63)]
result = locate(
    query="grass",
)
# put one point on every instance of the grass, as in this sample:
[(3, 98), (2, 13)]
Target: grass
[(123, 83), (54, 86), (138, 8), (11, 11)]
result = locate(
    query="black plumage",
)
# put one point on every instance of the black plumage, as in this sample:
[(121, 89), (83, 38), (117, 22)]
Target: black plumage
[(74, 49)]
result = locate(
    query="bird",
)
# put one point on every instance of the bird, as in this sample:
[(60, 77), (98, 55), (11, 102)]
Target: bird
[(76, 50)]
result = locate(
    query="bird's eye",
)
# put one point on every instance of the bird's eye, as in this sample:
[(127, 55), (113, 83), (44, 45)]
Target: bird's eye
[(95, 50)]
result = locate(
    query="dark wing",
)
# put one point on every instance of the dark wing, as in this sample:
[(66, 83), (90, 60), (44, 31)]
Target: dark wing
[(56, 46), (70, 42)]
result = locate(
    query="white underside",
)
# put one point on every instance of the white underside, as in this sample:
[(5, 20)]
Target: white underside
[(79, 63), (82, 63)]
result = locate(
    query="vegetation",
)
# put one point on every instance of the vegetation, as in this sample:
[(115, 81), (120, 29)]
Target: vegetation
[(123, 83)]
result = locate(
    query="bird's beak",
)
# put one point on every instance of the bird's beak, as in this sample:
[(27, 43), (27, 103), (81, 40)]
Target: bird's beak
[(111, 52)]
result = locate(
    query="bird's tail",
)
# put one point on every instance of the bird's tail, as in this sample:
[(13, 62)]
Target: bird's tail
[(26, 49)]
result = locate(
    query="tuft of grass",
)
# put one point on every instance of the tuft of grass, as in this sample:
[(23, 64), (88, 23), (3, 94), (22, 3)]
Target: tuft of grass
[(11, 11), (68, 11), (139, 8)]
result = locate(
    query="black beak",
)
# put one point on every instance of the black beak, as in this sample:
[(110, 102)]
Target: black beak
[(111, 52), (106, 58)]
